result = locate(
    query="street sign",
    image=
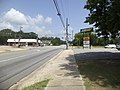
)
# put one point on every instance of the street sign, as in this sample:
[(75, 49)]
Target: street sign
[(86, 38), (86, 44), (86, 30)]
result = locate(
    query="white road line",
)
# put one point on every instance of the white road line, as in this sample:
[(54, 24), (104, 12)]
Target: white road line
[(14, 58), (17, 57)]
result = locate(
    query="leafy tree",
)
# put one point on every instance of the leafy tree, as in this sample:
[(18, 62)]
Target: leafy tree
[(55, 41), (105, 16), (78, 41), (94, 39), (113, 18), (29, 35), (6, 34)]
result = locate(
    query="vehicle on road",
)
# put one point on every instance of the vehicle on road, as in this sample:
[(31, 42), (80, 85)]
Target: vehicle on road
[(110, 46), (118, 46)]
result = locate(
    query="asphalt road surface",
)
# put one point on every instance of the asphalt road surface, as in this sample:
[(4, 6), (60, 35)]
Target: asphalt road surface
[(16, 65)]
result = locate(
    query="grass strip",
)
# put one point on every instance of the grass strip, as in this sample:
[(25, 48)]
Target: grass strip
[(37, 86), (100, 74)]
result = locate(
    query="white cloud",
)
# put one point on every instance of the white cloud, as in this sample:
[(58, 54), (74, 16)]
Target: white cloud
[(14, 16), (13, 19), (5, 25), (48, 20), (39, 19)]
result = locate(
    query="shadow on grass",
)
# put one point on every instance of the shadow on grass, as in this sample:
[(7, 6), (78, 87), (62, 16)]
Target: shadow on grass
[(100, 69)]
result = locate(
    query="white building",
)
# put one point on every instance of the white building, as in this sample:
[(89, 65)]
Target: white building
[(24, 42)]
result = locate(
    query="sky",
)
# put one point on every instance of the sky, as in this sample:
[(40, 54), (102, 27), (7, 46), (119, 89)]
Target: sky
[(40, 16)]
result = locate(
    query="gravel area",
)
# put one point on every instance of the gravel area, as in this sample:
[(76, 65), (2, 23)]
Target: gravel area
[(9, 48)]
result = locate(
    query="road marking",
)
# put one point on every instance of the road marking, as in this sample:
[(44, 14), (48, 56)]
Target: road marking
[(19, 56), (14, 58)]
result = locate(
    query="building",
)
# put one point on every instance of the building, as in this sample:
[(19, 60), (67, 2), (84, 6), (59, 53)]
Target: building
[(24, 42)]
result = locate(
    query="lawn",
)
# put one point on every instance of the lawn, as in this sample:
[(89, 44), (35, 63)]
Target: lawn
[(100, 74), (37, 86)]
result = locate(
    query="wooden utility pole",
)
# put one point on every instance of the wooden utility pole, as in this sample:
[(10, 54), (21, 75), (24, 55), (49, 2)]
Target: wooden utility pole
[(19, 37), (67, 44)]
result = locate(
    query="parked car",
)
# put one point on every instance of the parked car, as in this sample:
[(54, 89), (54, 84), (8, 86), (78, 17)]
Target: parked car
[(118, 46), (110, 46)]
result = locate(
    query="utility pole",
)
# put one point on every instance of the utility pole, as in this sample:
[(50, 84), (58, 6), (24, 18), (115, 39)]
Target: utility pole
[(19, 37), (67, 44), (72, 34), (72, 38), (37, 41)]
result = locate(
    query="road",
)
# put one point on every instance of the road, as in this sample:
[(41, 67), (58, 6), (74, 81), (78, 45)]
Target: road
[(16, 65)]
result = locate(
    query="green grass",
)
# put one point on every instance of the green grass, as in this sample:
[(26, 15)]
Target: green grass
[(37, 86), (100, 74)]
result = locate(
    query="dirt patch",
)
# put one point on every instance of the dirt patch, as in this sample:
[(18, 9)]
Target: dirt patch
[(9, 48)]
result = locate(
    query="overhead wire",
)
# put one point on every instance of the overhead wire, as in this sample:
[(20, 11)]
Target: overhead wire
[(62, 9), (58, 12), (65, 11)]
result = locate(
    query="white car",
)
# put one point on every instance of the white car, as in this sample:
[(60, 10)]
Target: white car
[(118, 46), (110, 46)]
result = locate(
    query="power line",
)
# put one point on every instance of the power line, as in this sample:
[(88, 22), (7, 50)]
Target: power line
[(65, 26), (62, 9), (58, 12)]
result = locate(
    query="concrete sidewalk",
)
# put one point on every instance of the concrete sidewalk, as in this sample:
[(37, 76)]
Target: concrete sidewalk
[(66, 76)]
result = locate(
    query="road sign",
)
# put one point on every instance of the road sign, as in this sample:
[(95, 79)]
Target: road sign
[(86, 43)]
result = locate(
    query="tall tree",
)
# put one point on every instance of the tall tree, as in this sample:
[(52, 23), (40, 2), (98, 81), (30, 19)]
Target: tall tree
[(105, 16), (5, 34), (113, 18)]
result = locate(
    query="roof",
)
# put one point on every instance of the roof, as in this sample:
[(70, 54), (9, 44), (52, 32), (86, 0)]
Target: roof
[(23, 40)]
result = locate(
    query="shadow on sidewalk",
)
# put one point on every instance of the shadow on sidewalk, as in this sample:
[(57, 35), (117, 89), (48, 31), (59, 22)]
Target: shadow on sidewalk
[(70, 67)]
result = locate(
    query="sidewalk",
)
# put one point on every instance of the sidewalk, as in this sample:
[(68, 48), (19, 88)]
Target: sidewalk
[(66, 76)]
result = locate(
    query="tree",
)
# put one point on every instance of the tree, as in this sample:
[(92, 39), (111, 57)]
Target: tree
[(113, 19), (105, 16), (95, 40), (54, 41), (6, 34), (78, 41)]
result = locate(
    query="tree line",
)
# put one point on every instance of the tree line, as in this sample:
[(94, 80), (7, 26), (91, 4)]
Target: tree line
[(95, 40), (6, 34)]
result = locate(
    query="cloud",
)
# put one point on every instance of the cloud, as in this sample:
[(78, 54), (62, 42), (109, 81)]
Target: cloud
[(48, 20), (13, 19), (5, 25), (14, 16), (39, 19)]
